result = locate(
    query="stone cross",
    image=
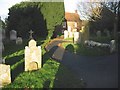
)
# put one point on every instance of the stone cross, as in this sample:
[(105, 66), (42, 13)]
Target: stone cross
[(31, 32)]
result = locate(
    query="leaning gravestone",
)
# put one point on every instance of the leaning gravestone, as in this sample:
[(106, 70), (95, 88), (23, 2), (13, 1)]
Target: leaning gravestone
[(98, 33), (112, 46), (65, 34), (77, 37), (13, 35), (32, 56), (19, 40), (5, 76)]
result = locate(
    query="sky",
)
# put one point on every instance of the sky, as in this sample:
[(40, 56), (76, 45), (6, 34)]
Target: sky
[(70, 6), (5, 5)]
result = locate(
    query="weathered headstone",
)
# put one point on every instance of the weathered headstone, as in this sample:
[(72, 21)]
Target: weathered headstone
[(13, 35), (2, 60), (83, 27), (3, 34), (19, 40), (98, 33), (69, 29), (108, 33), (5, 76), (70, 34), (65, 34), (77, 37), (112, 46), (32, 56)]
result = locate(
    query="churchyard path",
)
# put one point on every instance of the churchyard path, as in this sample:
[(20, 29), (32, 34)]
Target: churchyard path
[(97, 72)]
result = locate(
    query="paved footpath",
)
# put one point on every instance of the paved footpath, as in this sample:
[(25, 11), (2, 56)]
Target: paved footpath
[(97, 72)]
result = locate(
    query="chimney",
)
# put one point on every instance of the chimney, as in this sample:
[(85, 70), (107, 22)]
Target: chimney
[(75, 11)]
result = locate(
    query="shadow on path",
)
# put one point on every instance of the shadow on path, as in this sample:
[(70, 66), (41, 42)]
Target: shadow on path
[(97, 72), (48, 54)]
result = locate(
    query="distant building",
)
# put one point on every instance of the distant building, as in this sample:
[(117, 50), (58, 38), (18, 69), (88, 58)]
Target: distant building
[(73, 21)]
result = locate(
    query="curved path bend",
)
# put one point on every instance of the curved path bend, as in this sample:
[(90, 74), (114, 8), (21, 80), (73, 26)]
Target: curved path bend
[(97, 72)]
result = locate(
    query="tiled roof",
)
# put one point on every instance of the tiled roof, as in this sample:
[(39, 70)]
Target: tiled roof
[(72, 17)]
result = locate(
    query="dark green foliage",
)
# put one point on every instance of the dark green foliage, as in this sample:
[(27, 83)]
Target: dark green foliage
[(70, 48), (54, 15), (105, 22), (40, 17), (26, 16)]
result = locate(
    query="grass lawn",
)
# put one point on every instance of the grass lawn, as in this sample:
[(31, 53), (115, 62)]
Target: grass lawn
[(88, 51), (51, 75)]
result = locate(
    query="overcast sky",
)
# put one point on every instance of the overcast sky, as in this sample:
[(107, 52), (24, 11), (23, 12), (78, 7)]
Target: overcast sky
[(70, 6)]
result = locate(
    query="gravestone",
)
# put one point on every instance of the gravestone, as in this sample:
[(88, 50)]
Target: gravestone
[(3, 34), (13, 35), (32, 56), (5, 76), (108, 33), (19, 40), (83, 27), (1, 47), (2, 60), (70, 34), (98, 33), (112, 46), (65, 34), (69, 29), (77, 37)]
